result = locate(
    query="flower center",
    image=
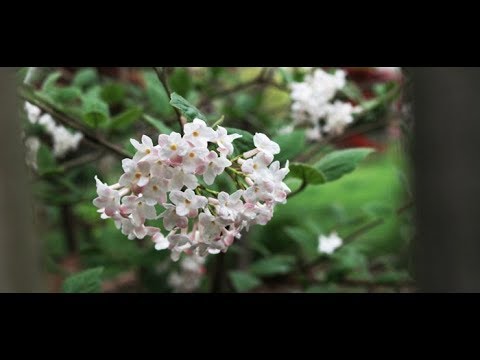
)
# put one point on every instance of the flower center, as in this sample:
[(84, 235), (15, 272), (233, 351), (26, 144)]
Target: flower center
[(155, 188), (192, 155), (138, 175), (188, 202), (255, 166), (148, 151), (173, 147), (195, 133)]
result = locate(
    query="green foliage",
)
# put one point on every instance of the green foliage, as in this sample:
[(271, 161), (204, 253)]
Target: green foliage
[(157, 124), (88, 281), (243, 281), (85, 77), (274, 265), (95, 111), (126, 118), (307, 173), (112, 93), (45, 160), (187, 109), (181, 81), (291, 145), (339, 163)]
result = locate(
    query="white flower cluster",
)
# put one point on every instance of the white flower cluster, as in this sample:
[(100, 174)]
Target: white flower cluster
[(328, 244), (63, 140), (199, 220), (191, 272), (312, 104)]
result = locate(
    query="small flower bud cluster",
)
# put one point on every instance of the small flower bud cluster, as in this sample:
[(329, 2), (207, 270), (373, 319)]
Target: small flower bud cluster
[(199, 220)]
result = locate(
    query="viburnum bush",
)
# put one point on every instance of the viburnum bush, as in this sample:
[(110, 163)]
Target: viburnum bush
[(210, 179), (176, 173)]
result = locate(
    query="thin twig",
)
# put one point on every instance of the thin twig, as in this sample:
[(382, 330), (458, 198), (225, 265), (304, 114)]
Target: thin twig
[(162, 76), (82, 160), (27, 94)]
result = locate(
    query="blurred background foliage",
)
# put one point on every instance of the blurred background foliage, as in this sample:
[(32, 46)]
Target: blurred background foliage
[(366, 207)]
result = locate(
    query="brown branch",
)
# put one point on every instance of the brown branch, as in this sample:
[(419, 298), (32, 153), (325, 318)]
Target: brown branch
[(82, 160), (27, 94), (162, 76)]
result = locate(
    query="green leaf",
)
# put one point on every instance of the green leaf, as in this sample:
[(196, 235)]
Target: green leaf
[(88, 281), (64, 94), (243, 144), (352, 92), (290, 145), (45, 160), (275, 265), (95, 111), (307, 241), (181, 81), (243, 282), (85, 77), (187, 109), (126, 118), (157, 124), (157, 96), (50, 80), (341, 162), (306, 172), (112, 93)]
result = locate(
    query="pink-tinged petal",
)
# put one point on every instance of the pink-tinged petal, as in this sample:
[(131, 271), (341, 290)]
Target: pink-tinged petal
[(136, 144), (147, 141), (143, 181), (182, 210), (176, 197)]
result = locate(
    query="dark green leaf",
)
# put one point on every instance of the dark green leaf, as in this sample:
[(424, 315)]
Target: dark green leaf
[(305, 239), (290, 145), (157, 96), (306, 172), (45, 160), (187, 109), (85, 77), (275, 265), (243, 144), (126, 118), (95, 111), (64, 94), (157, 124), (51, 79), (88, 281), (112, 93), (338, 163), (181, 81), (243, 282)]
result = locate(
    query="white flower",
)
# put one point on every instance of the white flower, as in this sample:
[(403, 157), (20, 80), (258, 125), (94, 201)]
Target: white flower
[(160, 241), (229, 205), (224, 141), (171, 219), (155, 192), (181, 179), (144, 149), (108, 200), (264, 144), (194, 159), (328, 244), (215, 165), (339, 115), (256, 165), (138, 207), (198, 133), (33, 112), (187, 203), (135, 173), (32, 144), (172, 147)]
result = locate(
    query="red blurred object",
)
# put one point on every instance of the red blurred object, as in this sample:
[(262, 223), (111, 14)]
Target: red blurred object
[(372, 74), (358, 140)]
